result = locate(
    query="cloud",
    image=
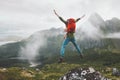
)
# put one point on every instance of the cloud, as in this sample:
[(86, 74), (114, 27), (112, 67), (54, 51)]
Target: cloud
[(29, 16), (113, 35), (31, 49)]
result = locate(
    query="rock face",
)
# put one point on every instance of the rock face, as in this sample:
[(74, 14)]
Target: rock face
[(115, 72), (83, 74)]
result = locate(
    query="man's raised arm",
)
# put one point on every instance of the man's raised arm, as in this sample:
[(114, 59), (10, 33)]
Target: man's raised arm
[(59, 17), (79, 18)]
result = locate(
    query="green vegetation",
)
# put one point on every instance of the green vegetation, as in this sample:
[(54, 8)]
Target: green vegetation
[(102, 60), (48, 72)]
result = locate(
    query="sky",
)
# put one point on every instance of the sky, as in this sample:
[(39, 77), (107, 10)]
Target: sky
[(21, 18)]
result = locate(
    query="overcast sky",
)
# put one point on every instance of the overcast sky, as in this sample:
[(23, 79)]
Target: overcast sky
[(24, 17)]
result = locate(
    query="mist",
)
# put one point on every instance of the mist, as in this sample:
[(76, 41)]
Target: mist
[(86, 29), (33, 15), (95, 33), (113, 35), (31, 49)]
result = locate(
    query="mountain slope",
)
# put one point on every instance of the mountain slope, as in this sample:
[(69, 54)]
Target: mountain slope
[(43, 45)]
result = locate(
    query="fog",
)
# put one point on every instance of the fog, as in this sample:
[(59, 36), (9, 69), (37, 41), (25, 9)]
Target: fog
[(113, 35), (31, 49), (29, 16), (86, 30)]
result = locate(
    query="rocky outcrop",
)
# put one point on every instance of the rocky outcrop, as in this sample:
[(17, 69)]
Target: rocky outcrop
[(83, 74)]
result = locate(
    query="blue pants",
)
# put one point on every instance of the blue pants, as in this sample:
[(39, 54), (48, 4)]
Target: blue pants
[(66, 41)]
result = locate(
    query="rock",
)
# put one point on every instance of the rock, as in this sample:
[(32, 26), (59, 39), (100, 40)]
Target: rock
[(37, 69), (3, 69), (83, 74), (26, 73), (115, 72)]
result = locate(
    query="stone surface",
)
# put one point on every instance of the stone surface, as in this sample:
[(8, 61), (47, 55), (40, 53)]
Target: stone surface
[(83, 74)]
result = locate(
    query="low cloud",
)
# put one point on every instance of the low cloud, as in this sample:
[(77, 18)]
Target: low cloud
[(31, 49), (113, 35)]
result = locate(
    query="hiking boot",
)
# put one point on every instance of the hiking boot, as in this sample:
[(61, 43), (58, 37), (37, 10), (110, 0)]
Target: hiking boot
[(81, 56), (60, 60)]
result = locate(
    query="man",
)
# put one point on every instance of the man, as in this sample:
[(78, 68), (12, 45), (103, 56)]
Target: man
[(69, 37)]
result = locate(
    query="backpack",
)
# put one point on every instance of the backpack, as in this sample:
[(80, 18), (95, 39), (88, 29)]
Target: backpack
[(71, 25)]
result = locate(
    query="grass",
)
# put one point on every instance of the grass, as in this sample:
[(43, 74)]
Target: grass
[(100, 60)]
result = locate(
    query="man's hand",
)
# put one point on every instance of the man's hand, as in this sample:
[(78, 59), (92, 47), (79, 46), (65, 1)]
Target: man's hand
[(82, 16), (65, 30), (65, 36), (56, 14)]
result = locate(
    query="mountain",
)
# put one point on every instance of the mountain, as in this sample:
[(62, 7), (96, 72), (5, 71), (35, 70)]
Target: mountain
[(47, 43), (96, 20), (113, 25)]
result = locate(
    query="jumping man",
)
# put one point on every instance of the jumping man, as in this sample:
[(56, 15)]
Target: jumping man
[(69, 37)]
